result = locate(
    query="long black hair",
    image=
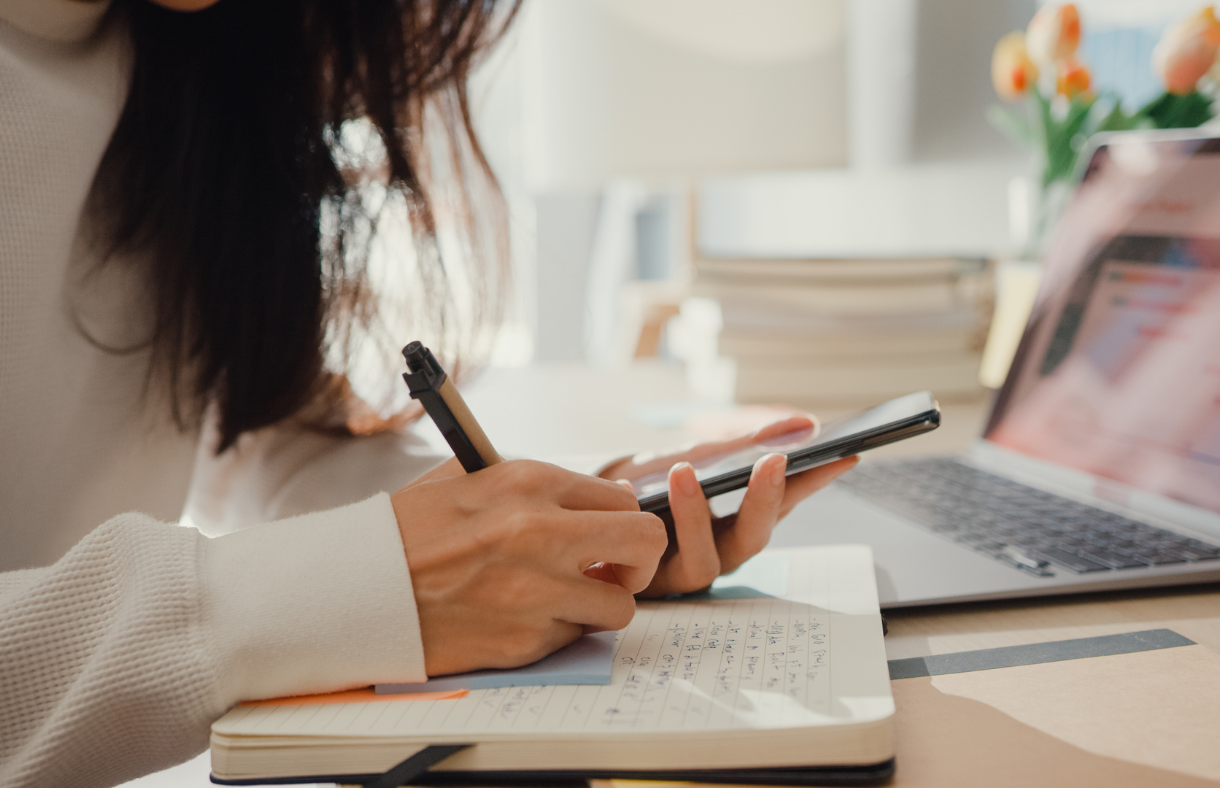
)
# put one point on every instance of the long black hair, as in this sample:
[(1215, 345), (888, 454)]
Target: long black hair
[(227, 179)]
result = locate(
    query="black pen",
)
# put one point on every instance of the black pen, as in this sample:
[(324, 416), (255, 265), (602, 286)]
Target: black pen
[(435, 391)]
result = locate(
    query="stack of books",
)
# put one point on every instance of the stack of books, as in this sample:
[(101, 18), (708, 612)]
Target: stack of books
[(837, 332)]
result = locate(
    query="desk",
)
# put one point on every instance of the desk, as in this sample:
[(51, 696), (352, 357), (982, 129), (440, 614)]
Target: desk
[(946, 735), (944, 739), (936, 727)]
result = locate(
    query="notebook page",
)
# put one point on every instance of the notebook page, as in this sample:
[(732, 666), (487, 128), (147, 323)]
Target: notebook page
[(734, 664)]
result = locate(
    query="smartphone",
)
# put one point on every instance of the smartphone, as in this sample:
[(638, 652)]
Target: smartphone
[(892, 421)]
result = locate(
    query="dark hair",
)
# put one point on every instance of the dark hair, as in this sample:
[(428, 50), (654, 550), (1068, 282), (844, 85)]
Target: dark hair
[(228, 179)]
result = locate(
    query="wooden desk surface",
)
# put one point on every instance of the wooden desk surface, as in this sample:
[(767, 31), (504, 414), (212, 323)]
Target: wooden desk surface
[(1144, 725), (1141, 726)]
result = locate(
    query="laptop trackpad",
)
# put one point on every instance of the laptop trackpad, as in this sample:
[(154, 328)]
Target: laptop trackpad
[(913, 566)]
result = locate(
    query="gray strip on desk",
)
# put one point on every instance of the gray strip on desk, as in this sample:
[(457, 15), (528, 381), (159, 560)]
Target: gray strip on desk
[(1035, 653)]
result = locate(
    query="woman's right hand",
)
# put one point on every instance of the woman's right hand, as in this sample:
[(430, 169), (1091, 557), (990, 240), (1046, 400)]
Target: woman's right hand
[(498, 560)]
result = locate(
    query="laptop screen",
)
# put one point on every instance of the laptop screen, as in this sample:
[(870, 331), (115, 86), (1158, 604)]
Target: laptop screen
[(1118, 372)]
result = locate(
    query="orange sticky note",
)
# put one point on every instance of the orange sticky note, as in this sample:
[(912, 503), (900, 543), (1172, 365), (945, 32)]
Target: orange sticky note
[(365, 695)]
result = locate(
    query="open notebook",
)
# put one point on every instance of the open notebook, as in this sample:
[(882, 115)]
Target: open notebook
[(795, 681)]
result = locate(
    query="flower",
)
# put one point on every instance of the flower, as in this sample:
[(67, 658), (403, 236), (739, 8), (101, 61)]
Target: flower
[(1187, 51), (1060, 110), (1072, 77), (1012, 71), (1053, 34)]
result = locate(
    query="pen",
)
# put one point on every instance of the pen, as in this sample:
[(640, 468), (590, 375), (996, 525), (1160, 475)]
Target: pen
[(435, 391)]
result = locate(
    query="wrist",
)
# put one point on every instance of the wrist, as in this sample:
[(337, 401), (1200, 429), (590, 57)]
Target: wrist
[(312, 604)]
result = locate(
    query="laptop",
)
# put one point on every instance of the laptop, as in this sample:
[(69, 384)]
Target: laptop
[(1099, 467)]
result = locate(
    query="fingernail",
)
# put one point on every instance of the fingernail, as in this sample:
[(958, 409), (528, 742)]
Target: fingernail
[(626, 483), (777, 471), (687, 483)]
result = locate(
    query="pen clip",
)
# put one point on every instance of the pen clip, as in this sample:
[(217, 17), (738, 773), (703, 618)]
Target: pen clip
[(424, 373)]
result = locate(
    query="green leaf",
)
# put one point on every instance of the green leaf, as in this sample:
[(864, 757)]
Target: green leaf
[(1156, 106), (1170, 111), (1117, 120), (1042, 129), (1064, 137), (1015, 125), (1078, 113)]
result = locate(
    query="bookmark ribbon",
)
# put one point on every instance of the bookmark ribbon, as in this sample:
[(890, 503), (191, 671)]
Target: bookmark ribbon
[(417, 764)]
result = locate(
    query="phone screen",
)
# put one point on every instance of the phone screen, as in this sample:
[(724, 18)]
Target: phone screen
[(891, 421)]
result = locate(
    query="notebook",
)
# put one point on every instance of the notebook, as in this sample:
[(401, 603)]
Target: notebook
[(785, 687), (588, 660)]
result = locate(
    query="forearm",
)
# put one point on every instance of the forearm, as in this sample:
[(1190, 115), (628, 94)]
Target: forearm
[(117, 658)]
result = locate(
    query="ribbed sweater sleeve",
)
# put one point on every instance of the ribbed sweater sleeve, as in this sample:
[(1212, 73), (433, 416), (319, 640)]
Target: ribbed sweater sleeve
[(115, 660)]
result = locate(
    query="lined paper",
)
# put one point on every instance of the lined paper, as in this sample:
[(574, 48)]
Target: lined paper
[(762, 662)]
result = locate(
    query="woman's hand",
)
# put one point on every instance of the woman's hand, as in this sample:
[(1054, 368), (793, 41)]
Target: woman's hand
[(710, 546), (498, 560)]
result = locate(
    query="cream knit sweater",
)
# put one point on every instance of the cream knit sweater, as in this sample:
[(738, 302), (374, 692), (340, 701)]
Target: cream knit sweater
[(122, 635)]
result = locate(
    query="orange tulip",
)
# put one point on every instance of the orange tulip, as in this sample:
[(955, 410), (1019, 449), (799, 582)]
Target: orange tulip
[(1187, 51), (1053, 34), (1072, 78), (1012, 72)]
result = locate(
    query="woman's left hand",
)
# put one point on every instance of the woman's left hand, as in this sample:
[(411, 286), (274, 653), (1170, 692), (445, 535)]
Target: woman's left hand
[(709, 546)]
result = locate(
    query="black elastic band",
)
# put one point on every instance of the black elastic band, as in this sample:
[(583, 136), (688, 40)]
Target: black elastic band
[(417, 764)]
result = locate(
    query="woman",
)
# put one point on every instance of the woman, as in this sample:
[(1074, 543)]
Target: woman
[(183, 242)]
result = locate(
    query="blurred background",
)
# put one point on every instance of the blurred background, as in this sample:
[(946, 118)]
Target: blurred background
[(796, 200), (723, 202)]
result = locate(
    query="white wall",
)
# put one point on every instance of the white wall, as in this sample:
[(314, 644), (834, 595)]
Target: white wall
[(664, 87), (671, 91)]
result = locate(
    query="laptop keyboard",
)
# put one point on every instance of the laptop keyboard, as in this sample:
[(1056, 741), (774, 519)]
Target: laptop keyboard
[(1019, 525)]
